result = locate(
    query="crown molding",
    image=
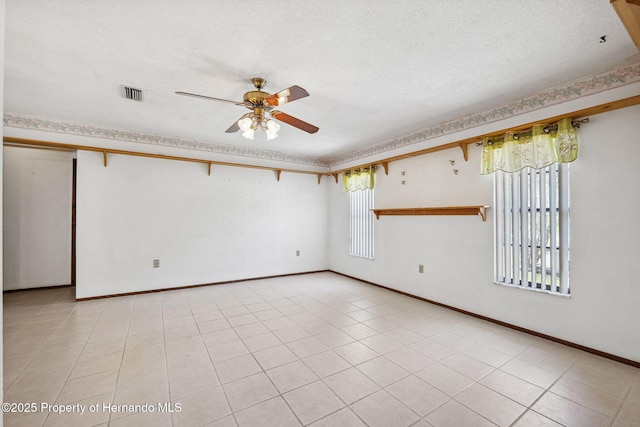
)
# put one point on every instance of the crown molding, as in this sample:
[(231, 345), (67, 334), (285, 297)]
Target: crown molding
[(49, 125), (577, 89)]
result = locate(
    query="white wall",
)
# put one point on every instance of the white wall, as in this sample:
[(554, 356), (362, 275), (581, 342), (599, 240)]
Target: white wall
[(238, 223), (602, 312), (37, 217)]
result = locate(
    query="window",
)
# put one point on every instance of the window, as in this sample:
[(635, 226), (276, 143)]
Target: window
[(532, 228), (361, 224)]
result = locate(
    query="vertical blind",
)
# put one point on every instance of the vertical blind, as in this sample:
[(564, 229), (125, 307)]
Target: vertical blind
[(532, 228), (361, 223)]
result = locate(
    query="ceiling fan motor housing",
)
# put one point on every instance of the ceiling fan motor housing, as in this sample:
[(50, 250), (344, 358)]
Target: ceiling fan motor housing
[(256, 97)]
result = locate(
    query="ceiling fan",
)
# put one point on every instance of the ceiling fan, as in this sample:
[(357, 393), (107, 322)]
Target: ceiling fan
[(262, 103)]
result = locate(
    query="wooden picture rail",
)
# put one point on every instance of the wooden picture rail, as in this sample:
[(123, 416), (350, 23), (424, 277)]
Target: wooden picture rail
[(32, 143), (463, 144), (445, 210)]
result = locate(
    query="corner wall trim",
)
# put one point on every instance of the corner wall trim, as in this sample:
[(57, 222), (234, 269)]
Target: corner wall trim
[(177, 288), (610, 356)]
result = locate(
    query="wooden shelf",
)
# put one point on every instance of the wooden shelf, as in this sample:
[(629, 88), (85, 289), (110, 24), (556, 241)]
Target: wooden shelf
[(445, 210)]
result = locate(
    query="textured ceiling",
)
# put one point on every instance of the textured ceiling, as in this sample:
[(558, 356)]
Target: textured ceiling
[(375, 70)]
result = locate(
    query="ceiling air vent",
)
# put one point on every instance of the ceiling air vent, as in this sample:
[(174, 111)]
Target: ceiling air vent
[(132, 93)]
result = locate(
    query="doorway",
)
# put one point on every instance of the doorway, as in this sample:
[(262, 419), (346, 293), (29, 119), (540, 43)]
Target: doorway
[(73, 222)]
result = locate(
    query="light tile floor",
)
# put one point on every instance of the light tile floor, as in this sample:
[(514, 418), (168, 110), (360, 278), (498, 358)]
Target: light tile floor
[(317, 349)]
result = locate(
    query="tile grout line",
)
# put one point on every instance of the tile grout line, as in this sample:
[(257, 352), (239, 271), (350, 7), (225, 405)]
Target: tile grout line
[(224, 391), (280, 395), (76, 361), (482, 385), (637, 380), (31, 360), (32, 357), (166, 361), (547, 390), (124, 349)]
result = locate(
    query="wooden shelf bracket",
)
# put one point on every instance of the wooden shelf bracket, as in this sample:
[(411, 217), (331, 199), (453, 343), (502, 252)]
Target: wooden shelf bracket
[(385, 166), (465, 152)]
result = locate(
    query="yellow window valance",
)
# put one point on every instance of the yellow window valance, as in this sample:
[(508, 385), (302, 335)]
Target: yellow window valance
[(359, 179), (538, 148)]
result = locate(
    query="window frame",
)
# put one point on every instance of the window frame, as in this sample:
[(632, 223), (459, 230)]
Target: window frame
[(513, 220)]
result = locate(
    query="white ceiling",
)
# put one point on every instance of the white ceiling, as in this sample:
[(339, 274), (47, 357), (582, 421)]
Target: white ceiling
[(375, 70)]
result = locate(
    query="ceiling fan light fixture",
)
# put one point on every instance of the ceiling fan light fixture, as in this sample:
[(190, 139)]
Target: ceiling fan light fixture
[(271, 135), (245, 124), (273, 126), (272, 130), (248, 133)]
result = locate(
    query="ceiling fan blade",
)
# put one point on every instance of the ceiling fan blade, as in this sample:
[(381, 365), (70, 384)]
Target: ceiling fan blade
[(286, 95), (290, 120), (209, 97), (235, 127)]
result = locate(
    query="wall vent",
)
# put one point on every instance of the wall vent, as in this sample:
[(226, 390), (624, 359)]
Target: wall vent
[(132, 93)]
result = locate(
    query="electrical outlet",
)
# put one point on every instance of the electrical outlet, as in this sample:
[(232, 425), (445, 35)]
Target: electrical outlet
[(298, 252), (156, 263), (420, 268)]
